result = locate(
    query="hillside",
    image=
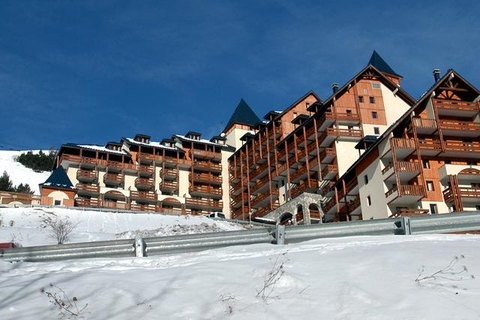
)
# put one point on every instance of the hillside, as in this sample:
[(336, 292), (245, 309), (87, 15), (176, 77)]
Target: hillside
[(20, 174)]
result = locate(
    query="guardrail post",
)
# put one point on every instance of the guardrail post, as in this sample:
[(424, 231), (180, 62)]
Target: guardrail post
[(403, 226), (140, 247), (280, 234)]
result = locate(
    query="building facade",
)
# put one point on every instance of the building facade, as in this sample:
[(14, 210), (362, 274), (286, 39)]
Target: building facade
[(368, 151)]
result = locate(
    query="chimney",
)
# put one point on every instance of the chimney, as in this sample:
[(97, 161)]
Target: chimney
[(436, 74), (335, 87)]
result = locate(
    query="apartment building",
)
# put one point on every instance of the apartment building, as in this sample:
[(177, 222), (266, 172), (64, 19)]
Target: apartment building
[(183, 174), (368, 151), (309, 145), (428, 162)]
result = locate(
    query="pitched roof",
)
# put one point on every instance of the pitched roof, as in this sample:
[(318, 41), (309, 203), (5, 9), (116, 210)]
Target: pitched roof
[(243, 114), (59, 179), (377, 61)]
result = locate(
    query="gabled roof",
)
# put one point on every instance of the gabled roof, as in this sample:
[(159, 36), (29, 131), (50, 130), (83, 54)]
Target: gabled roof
[(58, 179), (243, 114), (398, 125), (377, 61)]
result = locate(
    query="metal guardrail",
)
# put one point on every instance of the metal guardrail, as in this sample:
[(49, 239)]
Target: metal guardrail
[(445, 223)]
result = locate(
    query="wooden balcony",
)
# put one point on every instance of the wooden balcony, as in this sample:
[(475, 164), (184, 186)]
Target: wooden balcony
[(460, 128), (143, 196), (304, 186), (146, 158), (329, 205), (203, 204), (88, 163), (402, 147), (459, 146), (404, 212), (87, 189), (143, 169), (327, 155), (325, 121), (259, 171), (424, 126), (207, 166), (347, 118), (113, 179), (405, 170), (206, 191), (260, 184), (85, 202), (466, 195), (456, 108), (115, 165), (87, 176), (143, 183), (330, 172), (298, 174), (168, 186), (405, 194), (115, 205), (263, 198), (206, 178), (143, 207), (203, 154)]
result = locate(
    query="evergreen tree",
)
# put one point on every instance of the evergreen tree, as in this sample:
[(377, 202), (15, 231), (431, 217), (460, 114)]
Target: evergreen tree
[(24, 188), (5, 182)]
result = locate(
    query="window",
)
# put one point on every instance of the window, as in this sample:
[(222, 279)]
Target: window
[(365, 179), (433, 209), (375, 85), (372, 99), (376, 130), (58, 202), (475, 185), (374, 114), (349, 112), (360, 99), (430, 186), (369, 201), (426, 164)]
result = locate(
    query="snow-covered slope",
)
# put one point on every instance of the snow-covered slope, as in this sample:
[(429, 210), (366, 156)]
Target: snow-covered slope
[(345, 278), (24, 225), (20, 174)]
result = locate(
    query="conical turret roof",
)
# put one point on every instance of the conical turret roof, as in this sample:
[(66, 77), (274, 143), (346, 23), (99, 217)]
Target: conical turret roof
[(243, 114), (377, 61)]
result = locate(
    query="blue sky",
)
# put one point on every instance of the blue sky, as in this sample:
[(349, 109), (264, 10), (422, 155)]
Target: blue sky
[(96, 71)]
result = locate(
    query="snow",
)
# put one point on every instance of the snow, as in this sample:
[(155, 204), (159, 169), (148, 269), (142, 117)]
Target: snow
[(349, 278), (18, 173), (371, 277)]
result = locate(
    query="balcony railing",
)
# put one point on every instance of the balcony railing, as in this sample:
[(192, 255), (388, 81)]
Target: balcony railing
[(330, 171), (425, 123), (86, 175), (204, 203), (459, 125), (143, 195), (113, 178), (144, 183), (457, 105), (208, 166), (168, 186), (207, 178), (205, 190), (404, 212), (206, 154), (407, 190), (462, 146), (262, 196), (402, 143), (464, 193), (84, 202), (90, 188), (146, 169)]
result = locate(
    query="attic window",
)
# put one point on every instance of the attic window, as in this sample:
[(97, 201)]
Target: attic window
[(376, 85)]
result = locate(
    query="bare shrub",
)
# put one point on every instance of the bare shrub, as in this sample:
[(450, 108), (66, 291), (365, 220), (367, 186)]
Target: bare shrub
[(60, 228), (451, 272), (272, 277), (58, 298)]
